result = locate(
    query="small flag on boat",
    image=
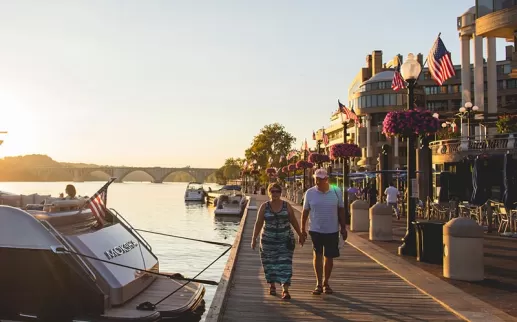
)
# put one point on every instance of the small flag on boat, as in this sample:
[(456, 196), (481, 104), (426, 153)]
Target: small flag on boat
[(97, 203)]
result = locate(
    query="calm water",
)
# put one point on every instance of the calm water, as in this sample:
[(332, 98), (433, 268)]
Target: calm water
[(160, 208)]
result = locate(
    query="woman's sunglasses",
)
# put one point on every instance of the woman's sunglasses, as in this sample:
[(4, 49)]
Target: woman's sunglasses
[(275, 191)]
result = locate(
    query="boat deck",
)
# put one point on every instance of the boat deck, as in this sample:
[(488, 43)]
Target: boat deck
[(185, 300)]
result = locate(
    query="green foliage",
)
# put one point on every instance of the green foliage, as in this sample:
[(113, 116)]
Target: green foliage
[(231, 170), (446, 134), (507, 124), (273, 141)]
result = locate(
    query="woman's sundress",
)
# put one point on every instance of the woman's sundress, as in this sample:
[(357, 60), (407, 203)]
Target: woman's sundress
[(277, 245)]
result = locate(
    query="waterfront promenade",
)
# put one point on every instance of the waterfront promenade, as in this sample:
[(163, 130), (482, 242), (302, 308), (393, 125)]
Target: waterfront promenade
[(364, 290)]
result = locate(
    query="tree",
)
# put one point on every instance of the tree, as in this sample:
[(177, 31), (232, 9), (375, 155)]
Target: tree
[(231, 170), (272, 141)]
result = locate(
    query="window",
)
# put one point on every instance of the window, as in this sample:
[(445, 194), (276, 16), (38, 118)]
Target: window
[(507, 69), (443, 89), (437, 105), (500, 84), (511, 83), (431, 90), (455, 88)]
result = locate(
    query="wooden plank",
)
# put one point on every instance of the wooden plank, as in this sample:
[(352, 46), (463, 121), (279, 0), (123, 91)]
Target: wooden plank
[(219, 300), (363, 290)]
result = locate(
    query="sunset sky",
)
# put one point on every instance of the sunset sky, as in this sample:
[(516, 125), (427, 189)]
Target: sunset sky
[(176, 83)]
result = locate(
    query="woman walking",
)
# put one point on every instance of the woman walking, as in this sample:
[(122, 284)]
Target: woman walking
[(277, 243)]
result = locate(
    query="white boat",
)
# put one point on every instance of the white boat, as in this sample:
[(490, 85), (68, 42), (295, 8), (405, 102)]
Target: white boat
[(230, 204), (195, 192), (59, 264)]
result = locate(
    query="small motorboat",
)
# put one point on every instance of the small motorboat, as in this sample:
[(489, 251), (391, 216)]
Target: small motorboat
[(230, 204), (61, 264), (195, 192)]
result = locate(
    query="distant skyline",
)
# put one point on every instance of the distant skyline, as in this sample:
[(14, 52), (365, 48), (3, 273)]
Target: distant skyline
[(177, 83)]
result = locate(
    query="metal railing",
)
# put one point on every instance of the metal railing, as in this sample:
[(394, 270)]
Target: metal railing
[(480, 143)]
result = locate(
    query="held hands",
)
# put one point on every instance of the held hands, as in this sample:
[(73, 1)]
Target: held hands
[(302, 238)]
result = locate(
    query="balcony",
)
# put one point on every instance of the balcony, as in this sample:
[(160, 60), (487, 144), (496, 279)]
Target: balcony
[(496, 18), (454, 150)]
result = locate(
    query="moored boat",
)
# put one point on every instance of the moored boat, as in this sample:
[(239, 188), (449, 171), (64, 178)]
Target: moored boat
[(61, 262), (230, 204), (195, 192)]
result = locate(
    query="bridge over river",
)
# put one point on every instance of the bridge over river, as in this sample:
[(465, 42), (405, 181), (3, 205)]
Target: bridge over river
[(158, 174)]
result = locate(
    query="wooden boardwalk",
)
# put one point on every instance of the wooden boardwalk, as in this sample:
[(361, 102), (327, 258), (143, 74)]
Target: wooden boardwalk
[(363, 290)]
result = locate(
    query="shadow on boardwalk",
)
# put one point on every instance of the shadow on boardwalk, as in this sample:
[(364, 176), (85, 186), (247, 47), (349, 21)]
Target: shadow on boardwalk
[(364, 291)]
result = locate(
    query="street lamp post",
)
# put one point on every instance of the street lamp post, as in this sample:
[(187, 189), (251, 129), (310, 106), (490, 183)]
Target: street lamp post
[(410, 71), (469, 110), (346, 168)]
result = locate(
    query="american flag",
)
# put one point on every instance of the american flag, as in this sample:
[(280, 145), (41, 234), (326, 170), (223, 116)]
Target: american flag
[(397, 82), (346, 111), (313, 135), (291, 154), (325, 138), (97, 203), (440, 62)]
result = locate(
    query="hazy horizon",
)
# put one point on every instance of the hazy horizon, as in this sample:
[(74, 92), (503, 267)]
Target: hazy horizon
[(190, 83)]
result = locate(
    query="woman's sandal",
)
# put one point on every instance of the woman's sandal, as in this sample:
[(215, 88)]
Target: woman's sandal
[(318, 290), (286, 295), (327, 289), (272, 290)]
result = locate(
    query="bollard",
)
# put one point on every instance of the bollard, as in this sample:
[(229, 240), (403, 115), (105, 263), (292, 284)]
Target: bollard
[(381, 222), (463, 250), (359, 216)]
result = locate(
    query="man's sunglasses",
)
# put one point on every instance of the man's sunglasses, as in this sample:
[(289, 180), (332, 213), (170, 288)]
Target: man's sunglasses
[(275, 191)]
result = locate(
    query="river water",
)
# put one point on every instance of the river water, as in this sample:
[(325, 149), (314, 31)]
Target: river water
[(160, 208)]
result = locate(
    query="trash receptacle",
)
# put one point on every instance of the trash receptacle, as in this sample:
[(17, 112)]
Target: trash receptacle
[(429, 241)]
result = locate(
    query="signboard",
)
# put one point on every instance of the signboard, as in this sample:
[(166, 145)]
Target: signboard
[(115, 244)]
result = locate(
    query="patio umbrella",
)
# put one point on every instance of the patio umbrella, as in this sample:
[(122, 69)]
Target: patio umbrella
[(479, 182), (443, 196), (510, 185)]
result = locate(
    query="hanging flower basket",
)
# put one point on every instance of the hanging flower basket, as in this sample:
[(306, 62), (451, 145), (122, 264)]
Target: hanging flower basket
[(309, 165), (301, 164), (245, 172), (270, 171), (344, 150), (285, 169), (291, 167), (255, 171), (324, 158), (412, 122), (314, 157)]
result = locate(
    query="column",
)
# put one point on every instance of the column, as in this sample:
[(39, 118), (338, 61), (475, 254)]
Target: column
[(396, 152), (465, 69), (479, 86), (368, 138), (491, 75)]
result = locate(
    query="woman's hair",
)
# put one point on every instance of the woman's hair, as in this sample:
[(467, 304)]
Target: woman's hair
[(271, 186), (70, 190)]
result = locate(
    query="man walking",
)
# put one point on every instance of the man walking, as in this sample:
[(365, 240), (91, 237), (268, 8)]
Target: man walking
[(392, 194), (325, 206)]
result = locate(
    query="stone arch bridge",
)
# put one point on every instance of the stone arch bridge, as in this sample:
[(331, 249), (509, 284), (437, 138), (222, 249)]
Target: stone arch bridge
[(158, 174)]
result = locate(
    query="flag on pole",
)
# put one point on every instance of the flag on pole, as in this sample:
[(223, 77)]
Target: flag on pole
[(325, 138), (313, 135), (306, 147), (397, 82), (291, 154), (343, 109), (97, 203), (440, 62)]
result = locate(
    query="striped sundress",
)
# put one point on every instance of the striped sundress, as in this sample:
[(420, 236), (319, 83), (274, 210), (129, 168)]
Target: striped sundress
[(277, 245)]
